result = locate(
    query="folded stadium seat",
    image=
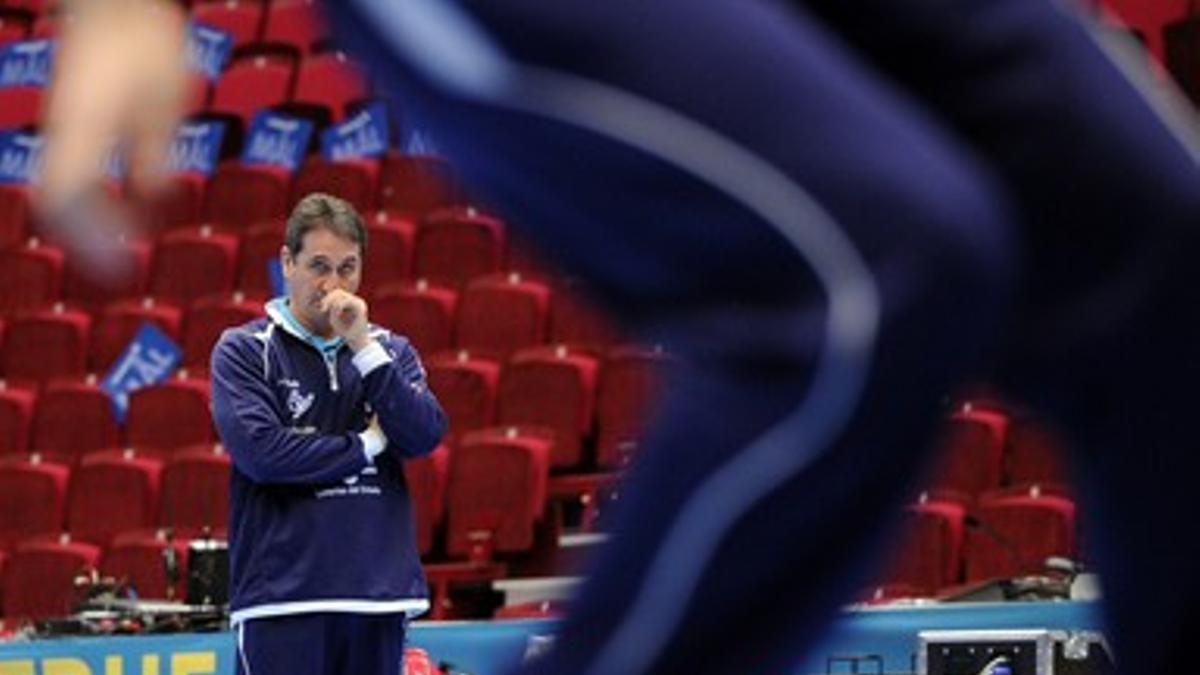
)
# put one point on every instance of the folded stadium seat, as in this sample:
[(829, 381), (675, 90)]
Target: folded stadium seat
[(1011, 534), (138, 559), (14, 24), (1035, 454), (355, 180), (171, 415), (426, 478), (466, 386), (83, 290), (971, 450), (631, 380), (240, 195), (73, 417), (418, 184), (421, 312), (242, 19), (299, 23), (929, 555), (261, 244), (496, 492), (15, 215), (332, 80), (577, 323), (19, 107), (208, 318), (46, 343), (501, 313), (33, 496), (256, 78), (30, 276), (39, 578), (118, 323), (555, 388), (195, 490), (587, 493), (389, 251), (16, 417), (112, 491), (180, 204), (191, 263), (457, 245)]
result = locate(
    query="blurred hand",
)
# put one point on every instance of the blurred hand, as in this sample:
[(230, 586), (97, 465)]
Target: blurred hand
[(348, 316)]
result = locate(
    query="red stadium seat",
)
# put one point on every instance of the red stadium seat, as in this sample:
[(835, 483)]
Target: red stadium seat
[(389, 251), (208, 318), (331, 80), (501, 313), (16, 415), (1013, 534), (180, 204), (195, 490), (33, 496), (138, 559), (555, 388), (426, 477), (466, 386), (1035, 454), (15, 215), (112, 491), (240, 18), (252, 83), (298, 23), (972, 450), (577, 323), (418, 184), (83, 290), (191, 263), (30, 276), (19, 107), (171, 415), (14, 25), (930, 554), (630, 383), (119, 322), (46, 343), (240, 195), (46, 26), (421, 312), (260, 245), (354, 180), (73, 417), (39, 577), (457, 245), (496, 492)]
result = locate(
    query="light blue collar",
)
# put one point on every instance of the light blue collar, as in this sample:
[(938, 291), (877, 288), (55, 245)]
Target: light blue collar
[(281, 313)]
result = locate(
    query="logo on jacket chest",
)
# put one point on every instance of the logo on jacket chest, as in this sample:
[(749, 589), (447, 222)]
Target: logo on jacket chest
[(298, 402)]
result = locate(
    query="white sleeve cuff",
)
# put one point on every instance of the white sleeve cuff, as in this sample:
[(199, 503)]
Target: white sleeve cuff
[(373, 442), (371, 357)]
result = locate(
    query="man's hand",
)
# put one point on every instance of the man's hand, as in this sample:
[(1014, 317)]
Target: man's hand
[(348, 316)]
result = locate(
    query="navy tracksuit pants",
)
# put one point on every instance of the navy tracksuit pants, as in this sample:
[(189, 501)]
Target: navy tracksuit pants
[(837, 214), (322, 644)]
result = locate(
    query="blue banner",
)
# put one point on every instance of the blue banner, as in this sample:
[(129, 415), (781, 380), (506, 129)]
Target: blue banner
[(277, 140), (20, 157), (197, 148), (26, 63), (208, 49), (364, 135), (149, 359)]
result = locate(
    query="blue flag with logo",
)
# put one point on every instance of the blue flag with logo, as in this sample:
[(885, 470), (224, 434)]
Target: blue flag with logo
[(277, 140), (149, 359), (26, 63), (20, 157), (208, 49), (197, 148), (364, 135)]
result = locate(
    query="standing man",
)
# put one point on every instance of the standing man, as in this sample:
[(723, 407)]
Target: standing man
[(318, 409)]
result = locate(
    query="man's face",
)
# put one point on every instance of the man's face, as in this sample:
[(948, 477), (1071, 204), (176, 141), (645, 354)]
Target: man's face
[(326, 262)]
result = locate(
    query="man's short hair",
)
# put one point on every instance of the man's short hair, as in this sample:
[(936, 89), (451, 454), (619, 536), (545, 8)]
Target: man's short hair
[(320, 210)]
